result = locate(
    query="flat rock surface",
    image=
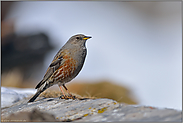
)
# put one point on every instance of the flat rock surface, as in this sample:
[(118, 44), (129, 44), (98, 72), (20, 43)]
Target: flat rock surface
[(94, 110)]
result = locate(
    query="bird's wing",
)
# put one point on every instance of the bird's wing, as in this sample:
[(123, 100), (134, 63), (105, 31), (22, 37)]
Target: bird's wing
[(57, 61)]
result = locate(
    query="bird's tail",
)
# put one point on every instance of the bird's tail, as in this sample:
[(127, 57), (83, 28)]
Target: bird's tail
[(39, 91), (35, 96)]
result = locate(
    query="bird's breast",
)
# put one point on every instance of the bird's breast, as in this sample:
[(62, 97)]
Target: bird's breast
[(71, 65), (67, 69)]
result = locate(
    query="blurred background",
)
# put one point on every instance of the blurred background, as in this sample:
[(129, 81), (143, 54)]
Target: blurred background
[(134, 56)]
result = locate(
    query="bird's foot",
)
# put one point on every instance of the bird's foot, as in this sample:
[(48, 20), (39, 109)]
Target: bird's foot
[(67, 97)]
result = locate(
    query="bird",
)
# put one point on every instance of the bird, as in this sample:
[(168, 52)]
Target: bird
[(65, 66)]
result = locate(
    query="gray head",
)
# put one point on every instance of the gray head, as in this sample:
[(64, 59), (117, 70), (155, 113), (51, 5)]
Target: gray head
[(78, 39)]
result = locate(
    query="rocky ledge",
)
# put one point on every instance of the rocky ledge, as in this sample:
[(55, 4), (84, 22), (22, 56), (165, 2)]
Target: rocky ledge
[(93, 110)]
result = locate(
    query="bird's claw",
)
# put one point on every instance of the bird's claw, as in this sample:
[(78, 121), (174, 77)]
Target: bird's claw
[(67, 97)]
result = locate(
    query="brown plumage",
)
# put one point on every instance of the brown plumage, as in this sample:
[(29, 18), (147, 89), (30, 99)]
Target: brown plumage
[(65, 66)]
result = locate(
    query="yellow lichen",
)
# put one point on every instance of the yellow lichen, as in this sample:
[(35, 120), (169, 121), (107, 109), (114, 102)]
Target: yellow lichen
[(93, 109), (85, 115), (102, 110), (89, 108)]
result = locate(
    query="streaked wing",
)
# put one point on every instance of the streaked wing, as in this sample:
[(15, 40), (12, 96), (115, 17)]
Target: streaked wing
[(51, 69)]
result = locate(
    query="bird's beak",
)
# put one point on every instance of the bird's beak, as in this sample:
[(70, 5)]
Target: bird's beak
[(86, 37)]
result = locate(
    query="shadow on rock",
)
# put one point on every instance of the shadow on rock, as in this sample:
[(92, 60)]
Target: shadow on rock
[(33, 116)]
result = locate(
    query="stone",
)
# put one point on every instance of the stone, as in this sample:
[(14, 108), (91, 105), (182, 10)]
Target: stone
[(93, 110)]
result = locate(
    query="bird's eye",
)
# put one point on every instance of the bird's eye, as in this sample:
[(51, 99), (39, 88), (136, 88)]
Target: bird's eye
[(77, 37)]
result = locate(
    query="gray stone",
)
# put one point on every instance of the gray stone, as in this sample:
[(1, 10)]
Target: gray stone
[(94, 110)]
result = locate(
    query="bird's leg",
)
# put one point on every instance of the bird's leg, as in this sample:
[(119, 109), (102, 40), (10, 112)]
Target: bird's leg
[(67, 90), (61, 90), (73, 97)]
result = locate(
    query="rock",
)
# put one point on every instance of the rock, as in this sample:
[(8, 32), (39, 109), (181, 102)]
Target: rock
[(63, 110), (9, 96), (12, 97), (33, 116), (94, 110), (131, 113)]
